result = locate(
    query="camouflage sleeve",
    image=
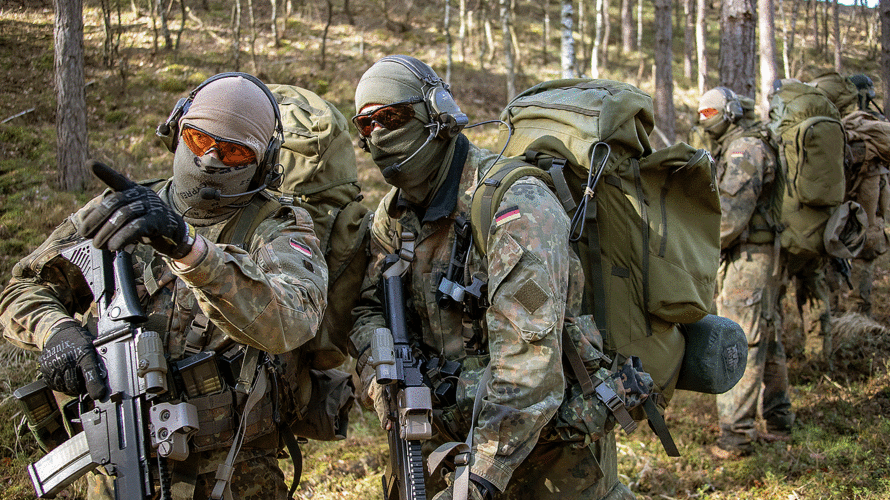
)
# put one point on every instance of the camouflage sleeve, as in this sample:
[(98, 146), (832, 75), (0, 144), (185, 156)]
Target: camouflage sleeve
[(529, 263), (745, 166), (369, 315), (271, 297), (44, 290)]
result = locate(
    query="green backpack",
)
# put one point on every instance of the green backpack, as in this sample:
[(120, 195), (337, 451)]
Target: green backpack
[(839, 90), (648, 238), (318, 163), (811, 142)]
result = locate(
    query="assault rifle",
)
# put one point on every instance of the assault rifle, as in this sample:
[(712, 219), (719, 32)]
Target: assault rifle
[(120, 432), (407, 396)]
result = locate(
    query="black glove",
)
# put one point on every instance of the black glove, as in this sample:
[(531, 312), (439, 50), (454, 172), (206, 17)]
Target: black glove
[(69, 362), (131, 213)]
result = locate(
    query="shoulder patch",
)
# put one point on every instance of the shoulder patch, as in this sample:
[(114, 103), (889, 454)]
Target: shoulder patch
[(507, 215), (303, 249)]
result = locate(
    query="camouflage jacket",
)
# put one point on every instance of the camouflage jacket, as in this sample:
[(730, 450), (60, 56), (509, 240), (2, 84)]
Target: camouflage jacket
[(746, 171), (533, 278), (270, 294)]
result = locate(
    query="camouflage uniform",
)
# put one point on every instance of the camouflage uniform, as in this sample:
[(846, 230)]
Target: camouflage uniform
[(868, 183), (268, 295), (534, 279), (748, 284)]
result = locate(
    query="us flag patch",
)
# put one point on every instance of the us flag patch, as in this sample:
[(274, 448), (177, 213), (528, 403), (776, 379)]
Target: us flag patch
[(506, 216), (301, 248)]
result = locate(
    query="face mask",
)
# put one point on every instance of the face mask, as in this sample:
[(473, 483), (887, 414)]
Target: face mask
[(192, 173), (715, 126), (418, 176)]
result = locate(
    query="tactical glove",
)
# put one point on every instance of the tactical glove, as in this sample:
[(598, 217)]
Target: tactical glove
[(69, 362), (131, 213), (372, 394)]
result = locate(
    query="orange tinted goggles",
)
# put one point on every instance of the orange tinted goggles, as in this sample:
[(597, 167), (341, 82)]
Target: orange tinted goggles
[(391, 116), (231, 154), (707, 113)]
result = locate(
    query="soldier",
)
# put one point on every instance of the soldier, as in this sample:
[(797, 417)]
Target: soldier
[(410, 125), (868, 177), (748, 281), (218, 265)]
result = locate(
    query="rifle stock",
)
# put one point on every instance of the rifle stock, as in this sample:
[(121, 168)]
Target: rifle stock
[(399, 371)]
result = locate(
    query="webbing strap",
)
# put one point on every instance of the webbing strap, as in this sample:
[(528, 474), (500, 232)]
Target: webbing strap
[(588, 387), (225, 469), (660, 427), (296, 456)]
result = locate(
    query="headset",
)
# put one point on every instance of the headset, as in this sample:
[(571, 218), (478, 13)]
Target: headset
[(732, 111), (437, 97), (169, 131)]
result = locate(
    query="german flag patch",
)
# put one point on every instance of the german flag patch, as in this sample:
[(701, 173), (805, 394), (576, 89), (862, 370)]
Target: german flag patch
[(303, 249), (737, 154), (505, 216)]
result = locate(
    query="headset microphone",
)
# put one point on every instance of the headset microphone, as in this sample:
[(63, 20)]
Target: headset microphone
[(209, 193), (397, 167)]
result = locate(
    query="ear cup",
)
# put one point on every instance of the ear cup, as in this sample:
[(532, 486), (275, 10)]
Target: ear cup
[(439, 101), (733, 109)]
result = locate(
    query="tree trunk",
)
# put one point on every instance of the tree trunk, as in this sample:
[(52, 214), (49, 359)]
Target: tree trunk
[(640, 27), (324, 36), (544, 53), (627, 27), (462, 30), (449, 48), (737, 46), (665, 115), (516, 48), (766, 29), (701, 43), (884, 12), (508, 49), (568, 41), (607, 33), (817, 40), (838, 63), (582, 53), (276, 41), (236, 35), (72, 147), (253, 58), (165, 29), (597, 40), (350, 20), (688, 38)]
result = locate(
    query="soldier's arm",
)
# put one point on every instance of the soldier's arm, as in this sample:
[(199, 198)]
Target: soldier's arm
[(528, 268), (272, 297), (740, 186), (45, 289)]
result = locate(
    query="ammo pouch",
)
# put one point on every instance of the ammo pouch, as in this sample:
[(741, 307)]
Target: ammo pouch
[(327, 415), (219, 416)]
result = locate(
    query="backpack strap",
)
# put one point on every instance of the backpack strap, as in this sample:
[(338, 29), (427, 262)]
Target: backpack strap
[(490, 191)]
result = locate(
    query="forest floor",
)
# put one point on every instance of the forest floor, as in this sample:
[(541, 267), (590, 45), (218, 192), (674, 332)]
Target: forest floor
[(840, 446)]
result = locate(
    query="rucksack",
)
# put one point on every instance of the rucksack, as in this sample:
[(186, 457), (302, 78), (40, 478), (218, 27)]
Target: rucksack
[(648, 239), (811, 142), (839, 89), (320, 175)]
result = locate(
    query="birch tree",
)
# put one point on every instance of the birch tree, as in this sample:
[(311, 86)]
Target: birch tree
[(766, 25), (701, 44), (568, 41)]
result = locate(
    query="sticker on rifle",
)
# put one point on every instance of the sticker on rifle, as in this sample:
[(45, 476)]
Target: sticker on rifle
[(506, 216), (301, 248)]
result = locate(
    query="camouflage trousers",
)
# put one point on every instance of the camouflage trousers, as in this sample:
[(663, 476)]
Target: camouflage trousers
[(559, 470), (256, 478), (813, 300), (749, 294)]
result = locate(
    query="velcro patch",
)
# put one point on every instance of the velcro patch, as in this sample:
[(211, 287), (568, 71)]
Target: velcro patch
[(531, 296), (506, 216), (303, 249), (737, 154)]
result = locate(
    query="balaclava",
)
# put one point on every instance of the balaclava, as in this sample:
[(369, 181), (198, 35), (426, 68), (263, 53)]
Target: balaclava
[(389, 82), (231, 108), (718, 124)]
